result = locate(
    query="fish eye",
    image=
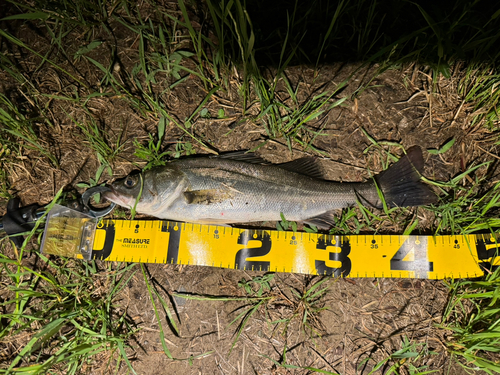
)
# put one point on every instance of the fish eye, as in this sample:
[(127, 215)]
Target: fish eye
[(130, 181)]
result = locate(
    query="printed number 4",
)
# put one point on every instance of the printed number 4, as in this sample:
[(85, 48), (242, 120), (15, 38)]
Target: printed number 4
[(420, 262)]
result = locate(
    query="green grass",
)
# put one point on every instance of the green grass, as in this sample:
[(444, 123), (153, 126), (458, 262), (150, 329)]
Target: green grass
[(4, 184), (287, 118), (409, 359), (215, 47), (152, 291), (20, 131), (307, 305), (64, 316), (480, 88), (473, 318)]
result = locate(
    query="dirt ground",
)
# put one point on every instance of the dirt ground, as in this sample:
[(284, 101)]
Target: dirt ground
[(363, 318)]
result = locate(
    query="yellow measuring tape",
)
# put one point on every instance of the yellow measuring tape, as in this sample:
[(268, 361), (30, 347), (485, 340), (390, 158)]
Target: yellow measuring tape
[(158, 241)]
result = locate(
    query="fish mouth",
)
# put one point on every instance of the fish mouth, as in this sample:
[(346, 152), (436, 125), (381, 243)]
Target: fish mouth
[(118, 198)]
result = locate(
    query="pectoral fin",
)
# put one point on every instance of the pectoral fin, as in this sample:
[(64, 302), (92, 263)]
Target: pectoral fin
[(207, 196)]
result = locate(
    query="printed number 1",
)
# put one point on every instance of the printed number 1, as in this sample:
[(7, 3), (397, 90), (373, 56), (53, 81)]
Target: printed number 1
[(173, 241), (420, 262)]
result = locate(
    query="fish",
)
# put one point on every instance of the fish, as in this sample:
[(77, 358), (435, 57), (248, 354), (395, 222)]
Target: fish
[(242, 188)]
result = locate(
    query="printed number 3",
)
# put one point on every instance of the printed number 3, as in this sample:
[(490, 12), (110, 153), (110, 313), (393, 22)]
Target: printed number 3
[(342, 257)]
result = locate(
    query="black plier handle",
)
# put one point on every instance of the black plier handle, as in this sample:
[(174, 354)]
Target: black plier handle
[(22, 219)]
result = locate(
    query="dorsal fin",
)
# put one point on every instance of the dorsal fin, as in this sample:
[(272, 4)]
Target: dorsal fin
[(247, 157), (308, 166)]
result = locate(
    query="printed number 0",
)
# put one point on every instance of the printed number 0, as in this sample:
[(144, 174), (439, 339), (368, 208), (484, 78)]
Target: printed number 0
[(109, 240)]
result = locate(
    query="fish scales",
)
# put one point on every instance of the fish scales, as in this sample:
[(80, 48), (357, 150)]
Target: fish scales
[(221, 190), (260, 193)]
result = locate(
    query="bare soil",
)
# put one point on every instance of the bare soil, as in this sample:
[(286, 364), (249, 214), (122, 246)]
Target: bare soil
[(363, 318)]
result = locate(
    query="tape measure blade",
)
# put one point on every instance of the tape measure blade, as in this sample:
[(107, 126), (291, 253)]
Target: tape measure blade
[(394, 256)]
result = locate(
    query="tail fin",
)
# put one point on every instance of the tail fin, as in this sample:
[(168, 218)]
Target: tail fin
[(401, 184)]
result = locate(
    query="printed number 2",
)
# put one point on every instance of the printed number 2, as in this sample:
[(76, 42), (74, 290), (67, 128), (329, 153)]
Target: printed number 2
[(420, 262), (244, 238), (342, 257)]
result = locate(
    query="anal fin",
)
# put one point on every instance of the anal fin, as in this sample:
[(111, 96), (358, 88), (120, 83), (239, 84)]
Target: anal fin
[(324, 221)]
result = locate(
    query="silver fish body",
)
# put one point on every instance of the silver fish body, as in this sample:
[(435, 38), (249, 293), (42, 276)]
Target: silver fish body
[(223, 191)]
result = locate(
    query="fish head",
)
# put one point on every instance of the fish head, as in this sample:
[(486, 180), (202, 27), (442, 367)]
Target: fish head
[(124, 191), (147, 191)]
